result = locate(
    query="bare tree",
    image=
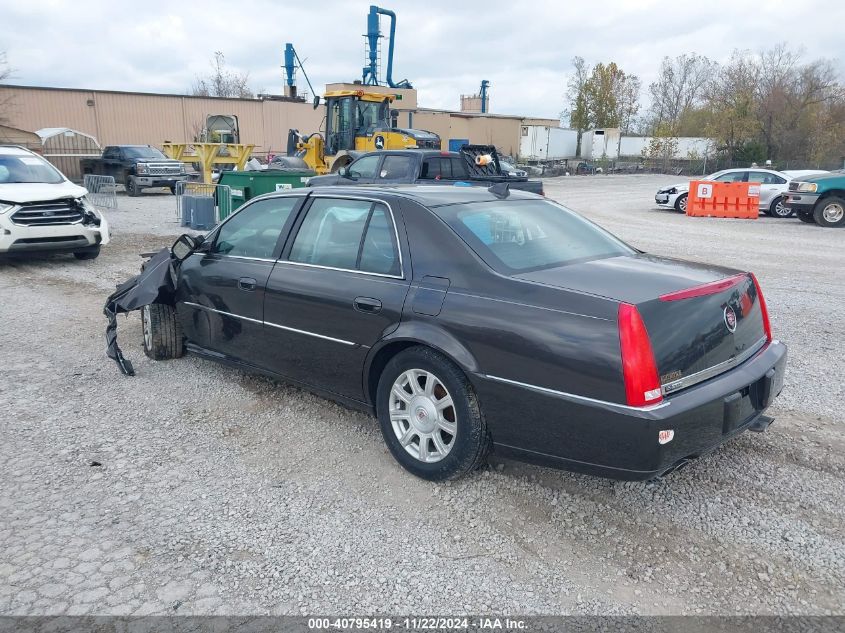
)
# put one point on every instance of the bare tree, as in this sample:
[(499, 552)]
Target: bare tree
[(5, 102), (222, 82), (680, 88), (577, 95)]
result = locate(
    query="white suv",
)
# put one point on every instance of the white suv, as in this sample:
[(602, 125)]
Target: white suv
[(42, 211)]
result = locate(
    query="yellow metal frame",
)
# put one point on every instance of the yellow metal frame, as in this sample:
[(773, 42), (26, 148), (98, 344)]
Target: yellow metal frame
[(209, 154), (361, 94)]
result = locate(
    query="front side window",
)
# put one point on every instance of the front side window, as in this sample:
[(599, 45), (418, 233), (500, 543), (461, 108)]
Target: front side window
[(254, 230), (347, 234), (143, 152), (523, 235), (364, 167), (735, 176)]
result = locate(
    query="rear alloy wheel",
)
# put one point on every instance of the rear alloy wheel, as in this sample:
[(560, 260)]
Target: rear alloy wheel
[(162, 332), (681, 203), (806, 216), (779, 210), (430, 417), (830, 212)]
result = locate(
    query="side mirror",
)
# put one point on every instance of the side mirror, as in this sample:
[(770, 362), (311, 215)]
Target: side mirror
[(316, 101), (343, 172), (184, 246)]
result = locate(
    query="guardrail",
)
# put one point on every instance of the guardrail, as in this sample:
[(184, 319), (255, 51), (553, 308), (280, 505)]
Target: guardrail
[(101, 190)]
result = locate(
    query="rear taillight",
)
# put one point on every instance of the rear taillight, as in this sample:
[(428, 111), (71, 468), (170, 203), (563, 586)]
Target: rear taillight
[(642, 384), (764, 311)]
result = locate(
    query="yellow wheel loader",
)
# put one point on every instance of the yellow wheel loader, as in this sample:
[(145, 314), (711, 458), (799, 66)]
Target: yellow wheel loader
[(357, 121)]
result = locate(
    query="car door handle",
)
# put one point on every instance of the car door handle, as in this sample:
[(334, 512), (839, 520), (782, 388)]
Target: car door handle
[(246, 283), (367, 304)]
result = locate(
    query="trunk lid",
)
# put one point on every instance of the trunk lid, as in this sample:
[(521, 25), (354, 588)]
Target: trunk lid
[(695, 335)]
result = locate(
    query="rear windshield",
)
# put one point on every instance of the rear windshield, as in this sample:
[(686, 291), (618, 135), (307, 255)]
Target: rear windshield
[(142, 152), (524, 235), (27, 168)]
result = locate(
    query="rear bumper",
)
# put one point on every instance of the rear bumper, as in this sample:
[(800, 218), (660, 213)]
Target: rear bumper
[(620, 442)]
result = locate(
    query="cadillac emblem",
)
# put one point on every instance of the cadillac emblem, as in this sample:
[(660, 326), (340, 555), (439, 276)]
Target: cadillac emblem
[(730, 319)]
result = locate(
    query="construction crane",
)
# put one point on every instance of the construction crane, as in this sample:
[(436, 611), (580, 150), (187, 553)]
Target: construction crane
[(356, 121)]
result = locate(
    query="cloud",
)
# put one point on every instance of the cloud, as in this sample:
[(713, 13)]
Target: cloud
[(444, 48)]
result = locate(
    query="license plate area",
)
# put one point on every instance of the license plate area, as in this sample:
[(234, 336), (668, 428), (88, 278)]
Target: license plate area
[(738, 409)]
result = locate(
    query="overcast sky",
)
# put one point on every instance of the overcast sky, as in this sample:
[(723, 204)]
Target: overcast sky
[(444, 48)]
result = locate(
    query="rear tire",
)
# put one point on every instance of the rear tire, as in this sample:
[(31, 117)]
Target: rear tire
[(444, 435), (830, 212), (93, 253), (681, 203), (806, 216), (162, 332), (779, 210)]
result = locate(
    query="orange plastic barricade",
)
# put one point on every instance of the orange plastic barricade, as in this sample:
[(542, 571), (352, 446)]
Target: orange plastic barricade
[(724, 199)]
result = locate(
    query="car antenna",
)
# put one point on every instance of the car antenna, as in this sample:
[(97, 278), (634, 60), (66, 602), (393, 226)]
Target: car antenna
[(501, 190)]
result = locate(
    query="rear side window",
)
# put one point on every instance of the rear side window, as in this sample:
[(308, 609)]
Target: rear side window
[(348, 234), (254, 230), (765, 178), (447, 168), (395, 168), (524, 235)]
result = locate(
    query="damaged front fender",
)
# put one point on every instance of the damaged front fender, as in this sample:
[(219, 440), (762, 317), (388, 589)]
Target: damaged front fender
[(155, 284)]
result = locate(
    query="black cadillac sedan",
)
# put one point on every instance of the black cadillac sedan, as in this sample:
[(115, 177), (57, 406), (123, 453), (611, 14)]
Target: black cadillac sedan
[(470, 320)]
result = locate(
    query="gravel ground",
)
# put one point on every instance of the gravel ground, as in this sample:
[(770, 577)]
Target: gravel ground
[(193, 488)]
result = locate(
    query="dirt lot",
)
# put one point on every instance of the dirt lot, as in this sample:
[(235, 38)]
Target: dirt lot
[(192, 488)]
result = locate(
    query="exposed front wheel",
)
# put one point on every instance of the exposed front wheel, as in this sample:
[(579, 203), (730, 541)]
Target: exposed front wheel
[(830, 212), (779, 210), (681, 203), (430, 416), (132, 188), (162, 332)]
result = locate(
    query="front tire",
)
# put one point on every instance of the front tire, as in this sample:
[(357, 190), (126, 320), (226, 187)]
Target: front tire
[(830, 212), (681, 203), (779, 210), (162, 332), (430, 416), (92, 253), (132, 188), (806, 216)]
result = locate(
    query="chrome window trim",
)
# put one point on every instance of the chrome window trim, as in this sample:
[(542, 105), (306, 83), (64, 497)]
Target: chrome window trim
[(576, 397), (710, 372), (401, 274), (275, 325)]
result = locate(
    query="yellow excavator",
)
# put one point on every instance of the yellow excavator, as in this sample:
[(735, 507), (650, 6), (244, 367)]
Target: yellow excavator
[(357, 121)]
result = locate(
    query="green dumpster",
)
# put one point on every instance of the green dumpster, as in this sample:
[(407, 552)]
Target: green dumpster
[(246, 185)]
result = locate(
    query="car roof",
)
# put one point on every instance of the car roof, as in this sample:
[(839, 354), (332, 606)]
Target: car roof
[(427, 195)]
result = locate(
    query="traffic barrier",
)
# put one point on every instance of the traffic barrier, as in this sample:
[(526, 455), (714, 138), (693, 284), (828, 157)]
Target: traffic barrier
[(724, 199)]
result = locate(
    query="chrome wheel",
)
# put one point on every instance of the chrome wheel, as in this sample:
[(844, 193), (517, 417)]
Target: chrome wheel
[(833, 212), (146, 324), (781, 210), (682, 204), (422, 415)]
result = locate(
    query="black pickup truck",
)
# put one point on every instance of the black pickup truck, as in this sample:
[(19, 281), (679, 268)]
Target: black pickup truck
[(392, 167), (137, 167)]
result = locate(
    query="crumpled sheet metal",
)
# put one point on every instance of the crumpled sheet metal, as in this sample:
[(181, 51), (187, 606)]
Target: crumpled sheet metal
[(155, 284)]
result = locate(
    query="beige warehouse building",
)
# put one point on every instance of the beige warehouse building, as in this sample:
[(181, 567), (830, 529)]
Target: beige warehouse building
[(115, 118)]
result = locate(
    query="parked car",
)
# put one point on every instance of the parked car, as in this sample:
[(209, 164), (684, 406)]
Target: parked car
[(411, 166), (819, 199), (137, 167), (41, 211), (466, 318), (511, 170), (773, 186)]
